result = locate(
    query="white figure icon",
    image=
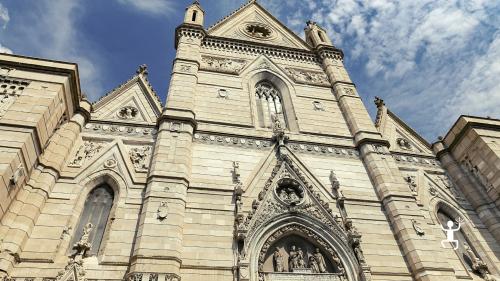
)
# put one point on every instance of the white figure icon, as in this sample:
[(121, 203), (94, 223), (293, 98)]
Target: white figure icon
[(449, 234)]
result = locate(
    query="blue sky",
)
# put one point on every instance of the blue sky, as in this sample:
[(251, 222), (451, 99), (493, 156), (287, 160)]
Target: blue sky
[(429, 60)]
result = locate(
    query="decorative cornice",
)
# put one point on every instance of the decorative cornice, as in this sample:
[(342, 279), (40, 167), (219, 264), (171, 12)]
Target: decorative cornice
[(189, 30), (241, 46), (263, 143)]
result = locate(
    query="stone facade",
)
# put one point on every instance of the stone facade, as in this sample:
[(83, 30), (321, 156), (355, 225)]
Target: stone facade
[(263, 165)]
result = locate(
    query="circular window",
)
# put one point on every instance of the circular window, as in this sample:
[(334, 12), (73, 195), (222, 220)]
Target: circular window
[(257, 30)]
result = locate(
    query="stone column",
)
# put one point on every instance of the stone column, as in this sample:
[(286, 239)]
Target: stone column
[(18, 222), (425, 259), (482, 204), (159, 237)]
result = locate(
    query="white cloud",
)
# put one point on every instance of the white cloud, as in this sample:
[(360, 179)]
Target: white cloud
[(4, 16), (431, 60), (5, 50), (50, 30), (153, 7)]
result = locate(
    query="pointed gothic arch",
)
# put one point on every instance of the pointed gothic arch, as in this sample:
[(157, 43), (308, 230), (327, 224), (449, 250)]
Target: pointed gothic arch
[(290, 212), (279, 82)]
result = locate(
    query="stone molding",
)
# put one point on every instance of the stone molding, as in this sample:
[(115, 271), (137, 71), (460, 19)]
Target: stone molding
[(115, 129), (237, 46), (256, 143), (418, 160)]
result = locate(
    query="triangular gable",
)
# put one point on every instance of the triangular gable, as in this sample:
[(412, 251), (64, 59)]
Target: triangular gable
[(263, 200), (132, 102), (401, 136), (247, 22)]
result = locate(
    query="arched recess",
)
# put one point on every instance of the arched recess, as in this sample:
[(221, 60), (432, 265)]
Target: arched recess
[(306, 232), (444, 212), (285, 89), (117, 187)]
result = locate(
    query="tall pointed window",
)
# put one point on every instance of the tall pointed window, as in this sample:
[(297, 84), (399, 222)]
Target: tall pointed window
[(95, 211), (269, 105), (459, 236)]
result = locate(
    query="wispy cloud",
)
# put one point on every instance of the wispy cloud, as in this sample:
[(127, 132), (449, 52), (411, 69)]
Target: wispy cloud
[(152, 7), (50, 30), (4, 20), (4, 16), (431, 60)]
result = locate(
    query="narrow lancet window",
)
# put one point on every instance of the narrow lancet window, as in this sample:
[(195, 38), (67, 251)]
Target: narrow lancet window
[(193, 18), (459, 236), (269, 103), (95, 211)]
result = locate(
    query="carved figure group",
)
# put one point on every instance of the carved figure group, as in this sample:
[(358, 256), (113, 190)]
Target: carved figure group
[(308, 77), (222, 64), (140, 156), (297, 260), (289, 196)]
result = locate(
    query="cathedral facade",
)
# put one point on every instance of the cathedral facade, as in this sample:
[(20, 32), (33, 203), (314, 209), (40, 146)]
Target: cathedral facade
[(263, 164)]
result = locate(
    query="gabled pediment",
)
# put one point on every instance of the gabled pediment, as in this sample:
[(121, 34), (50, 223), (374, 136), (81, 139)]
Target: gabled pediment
[(132, 102), (284, 186), (401, 136), (253, 23)]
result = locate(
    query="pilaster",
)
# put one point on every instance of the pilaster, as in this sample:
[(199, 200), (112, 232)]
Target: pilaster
[(482, 204), (425, 259), (18, 222)]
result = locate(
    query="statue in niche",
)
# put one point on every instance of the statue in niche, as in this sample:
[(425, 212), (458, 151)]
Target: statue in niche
[(300, 261), (313, 264), (278, 263), (320, 261), (290, 192), (293, 259)]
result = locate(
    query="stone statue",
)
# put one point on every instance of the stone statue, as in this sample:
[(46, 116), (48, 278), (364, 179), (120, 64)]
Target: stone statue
[(293, 198), (313, 264), (478, 265), (278, 264), (320, 261), (300, 260), (293, 259), (83, 245)]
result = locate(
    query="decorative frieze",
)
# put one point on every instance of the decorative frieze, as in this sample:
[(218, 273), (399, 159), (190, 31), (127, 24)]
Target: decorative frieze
[(325, 150), (233, 141), (119, 129), (225, 65), (233, 46), (140, 276), (406, 159), (308, 77), (261, 144)]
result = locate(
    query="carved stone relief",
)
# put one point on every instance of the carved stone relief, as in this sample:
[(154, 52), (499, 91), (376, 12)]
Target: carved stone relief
[(162, 211), (308, 77), (478, 265), (412, 184), (86, 151), (223, 93), (226, 65), (418, 229), (318, 106), (404, 144), (127, 112), (348, 91), (296, 249), (140, 157)]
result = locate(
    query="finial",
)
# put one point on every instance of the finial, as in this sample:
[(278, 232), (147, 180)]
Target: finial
[(379, 102), (143, 69), (196, 2)]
